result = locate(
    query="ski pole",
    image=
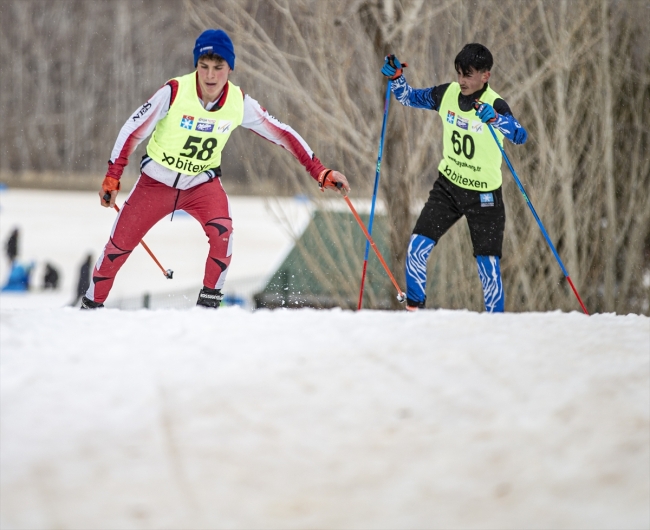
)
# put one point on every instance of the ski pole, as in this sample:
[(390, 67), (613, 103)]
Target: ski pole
[(539, 222), (169, 274), (374, 194), (401, 297)]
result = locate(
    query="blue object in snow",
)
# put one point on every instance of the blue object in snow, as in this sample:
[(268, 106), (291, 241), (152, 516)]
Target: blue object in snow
[(19, 277)]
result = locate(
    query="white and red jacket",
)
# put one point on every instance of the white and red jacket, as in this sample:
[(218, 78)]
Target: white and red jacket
[(143, 121)]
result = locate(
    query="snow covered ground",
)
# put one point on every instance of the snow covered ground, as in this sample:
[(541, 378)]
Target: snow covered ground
[(312, 419), (323, 419)]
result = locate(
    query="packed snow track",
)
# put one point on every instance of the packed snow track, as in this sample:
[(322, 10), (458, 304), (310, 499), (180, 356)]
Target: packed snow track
[(323, 419)]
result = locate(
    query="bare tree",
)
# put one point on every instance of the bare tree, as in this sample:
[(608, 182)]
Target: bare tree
[(73, 71)]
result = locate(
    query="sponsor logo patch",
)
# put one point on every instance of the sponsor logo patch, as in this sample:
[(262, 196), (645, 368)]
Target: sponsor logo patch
[(462, 123), (464, 181), (183, 164), (143, 110), (477, 126), (487, 199), (187, 122), (205, 125), (224, 126), (450, 116)]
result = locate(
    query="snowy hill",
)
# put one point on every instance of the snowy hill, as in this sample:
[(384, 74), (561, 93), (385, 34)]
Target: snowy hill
[(323, 419)]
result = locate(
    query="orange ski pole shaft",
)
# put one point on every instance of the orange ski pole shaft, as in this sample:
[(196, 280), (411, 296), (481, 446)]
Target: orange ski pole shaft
[(401, 297), (168, 273)]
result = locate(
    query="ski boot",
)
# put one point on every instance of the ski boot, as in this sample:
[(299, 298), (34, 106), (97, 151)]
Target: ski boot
[(210, 298), (87, 303), (413, 306)]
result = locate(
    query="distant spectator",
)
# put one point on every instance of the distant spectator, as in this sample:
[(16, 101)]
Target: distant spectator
[(84, 279), (51, 278), (12, 246)]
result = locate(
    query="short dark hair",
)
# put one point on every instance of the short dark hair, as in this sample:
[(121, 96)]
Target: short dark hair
[(211, 57), (474, 56)]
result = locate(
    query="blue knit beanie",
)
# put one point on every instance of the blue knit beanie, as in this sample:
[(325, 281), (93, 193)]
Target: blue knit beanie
[(215, 41)]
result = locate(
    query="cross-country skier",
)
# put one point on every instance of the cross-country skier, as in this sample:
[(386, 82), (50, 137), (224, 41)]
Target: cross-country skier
[(469, 179), (191, 118)]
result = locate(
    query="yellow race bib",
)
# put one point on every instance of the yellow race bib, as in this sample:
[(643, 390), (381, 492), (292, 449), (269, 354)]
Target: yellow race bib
[(190, 139), (471, 157)]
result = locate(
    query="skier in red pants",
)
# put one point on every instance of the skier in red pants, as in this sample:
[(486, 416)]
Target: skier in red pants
[(190, 119)]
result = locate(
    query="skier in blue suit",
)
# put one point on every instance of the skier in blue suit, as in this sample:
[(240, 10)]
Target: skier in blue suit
[(469, 174)]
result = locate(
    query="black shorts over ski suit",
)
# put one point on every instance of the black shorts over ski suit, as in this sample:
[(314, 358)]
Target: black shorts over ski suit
[(447, 203)]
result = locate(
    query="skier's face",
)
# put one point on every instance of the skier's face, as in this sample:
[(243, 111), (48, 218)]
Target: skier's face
[(213, 76), (472, 82)]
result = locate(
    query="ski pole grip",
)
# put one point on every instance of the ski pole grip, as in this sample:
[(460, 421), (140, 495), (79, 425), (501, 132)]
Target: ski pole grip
[(339, 186), (477, 103), (107, 197), (391, 61)]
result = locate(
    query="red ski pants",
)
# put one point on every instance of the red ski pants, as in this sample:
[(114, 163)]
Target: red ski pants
[(148, 203)]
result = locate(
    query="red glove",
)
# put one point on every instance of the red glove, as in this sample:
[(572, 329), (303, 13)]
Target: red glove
[(332, 180), (108, 186), (325, 180)]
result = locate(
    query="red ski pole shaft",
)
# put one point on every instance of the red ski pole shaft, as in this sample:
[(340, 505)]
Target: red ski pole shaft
[(575, 291), (167, 273), (400, 295), (363, 281)]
